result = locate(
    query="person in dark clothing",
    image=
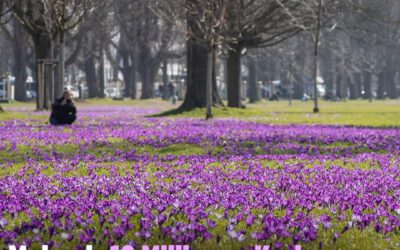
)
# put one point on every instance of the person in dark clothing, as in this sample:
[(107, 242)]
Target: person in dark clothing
[(63, 110)]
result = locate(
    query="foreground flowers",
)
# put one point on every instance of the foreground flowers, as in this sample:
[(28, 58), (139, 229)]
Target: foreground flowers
[(118, 178)]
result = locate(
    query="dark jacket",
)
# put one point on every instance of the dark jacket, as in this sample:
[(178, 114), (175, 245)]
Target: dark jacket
[(63, 114)]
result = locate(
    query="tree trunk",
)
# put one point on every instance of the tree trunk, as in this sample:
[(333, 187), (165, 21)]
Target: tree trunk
[(91, 77), (358, 84), (20, 61), (254, 87), (43, 47), (234, 77), (147, 77), (393, 92), (147, 68), (133, 82), (196, 76), (367, 85), (353, 86), (382, 77), (165, 79), (59, 83), (209, 83), (353, 91), (101, 75), (215, 95), (127, 74), (392, 86), (129, 60), (339, 86)]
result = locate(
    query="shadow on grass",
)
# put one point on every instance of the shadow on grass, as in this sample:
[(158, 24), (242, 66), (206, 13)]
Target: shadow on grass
[(173, 112)]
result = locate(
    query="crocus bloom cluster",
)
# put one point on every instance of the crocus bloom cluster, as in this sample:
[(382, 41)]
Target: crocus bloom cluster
[(115, 177)]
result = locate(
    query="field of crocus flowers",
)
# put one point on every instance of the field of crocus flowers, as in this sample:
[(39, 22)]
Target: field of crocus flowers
[(117, 177)]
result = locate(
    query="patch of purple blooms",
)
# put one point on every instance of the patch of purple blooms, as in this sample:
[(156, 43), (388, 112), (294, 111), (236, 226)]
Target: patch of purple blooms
[(265, 183)]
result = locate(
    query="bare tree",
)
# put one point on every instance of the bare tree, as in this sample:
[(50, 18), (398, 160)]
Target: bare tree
[(203, 22), (19, 41), (37, 20), (66, 16)]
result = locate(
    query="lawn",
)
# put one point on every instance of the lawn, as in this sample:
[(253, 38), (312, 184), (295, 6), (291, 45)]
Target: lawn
[(258, 176), (355, 113)]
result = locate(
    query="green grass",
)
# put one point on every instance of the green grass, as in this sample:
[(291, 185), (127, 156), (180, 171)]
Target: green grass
[(12, 116), (354, 113)]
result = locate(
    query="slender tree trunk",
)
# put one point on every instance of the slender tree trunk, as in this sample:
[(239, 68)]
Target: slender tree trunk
[(391, 85), (358, 85), (339, 86), (393, 93), (382, 77), (165, 79), (254, 87), (59, 84), (101, 74), (209, 88), (134, 60), (316, 56), (43, 47), (234, 77), (353, 88)]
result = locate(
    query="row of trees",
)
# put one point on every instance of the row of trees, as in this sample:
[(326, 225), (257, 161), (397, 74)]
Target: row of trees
[(346, 42)]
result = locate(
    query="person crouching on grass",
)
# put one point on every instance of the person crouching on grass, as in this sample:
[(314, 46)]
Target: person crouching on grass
[(63, 111)]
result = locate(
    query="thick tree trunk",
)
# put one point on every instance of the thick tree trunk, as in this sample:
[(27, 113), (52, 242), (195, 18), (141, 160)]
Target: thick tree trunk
[(195, 96), (196, 76), (91, 77), (147, 76), (20, 63), (147, 68), (234, 77), (254, 87), (215, 95), (129, 60)]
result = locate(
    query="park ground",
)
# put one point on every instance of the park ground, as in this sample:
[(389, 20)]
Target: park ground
[(352, 113), (340, 176)]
